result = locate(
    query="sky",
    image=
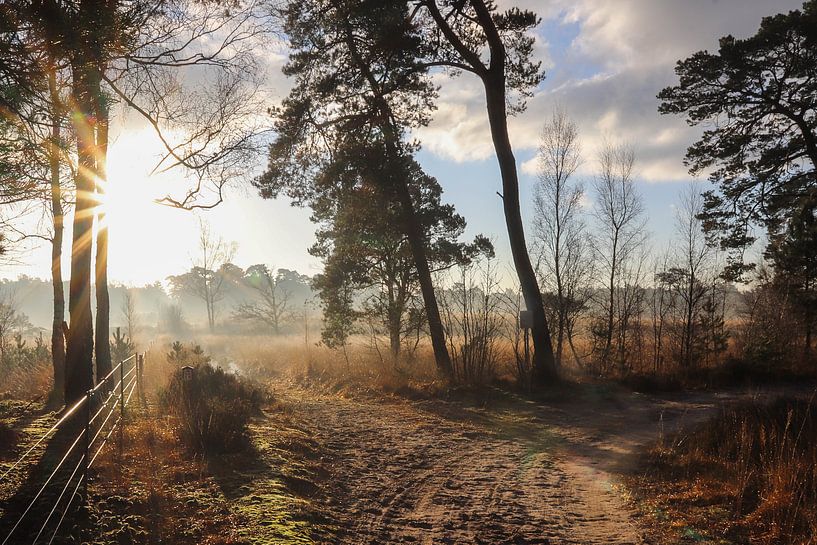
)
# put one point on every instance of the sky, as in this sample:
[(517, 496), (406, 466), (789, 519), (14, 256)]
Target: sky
[(605, 62)]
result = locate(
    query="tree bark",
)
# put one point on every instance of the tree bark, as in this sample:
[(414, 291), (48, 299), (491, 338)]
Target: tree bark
[(80, 342), (103, 302), (418, 250), (57, 337), (394, 315), (544, 366), (689, 320), (611, 308)]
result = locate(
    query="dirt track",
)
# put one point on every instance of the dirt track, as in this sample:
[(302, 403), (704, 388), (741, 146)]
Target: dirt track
[(511, 472), (501, 470)]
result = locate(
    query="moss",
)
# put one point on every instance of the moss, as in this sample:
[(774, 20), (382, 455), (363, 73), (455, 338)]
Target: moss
[(271, 494)]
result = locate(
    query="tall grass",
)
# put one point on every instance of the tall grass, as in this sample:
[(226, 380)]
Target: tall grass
[(762, 459), (27, 382)]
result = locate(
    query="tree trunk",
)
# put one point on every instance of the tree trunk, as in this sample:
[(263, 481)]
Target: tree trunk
[(418, 250), (560, 335), (561, 312), (394, 315), (544, 367), (608, 341), (411, 225), (103, 303), (809, 324), (394, 341), (57, 337), (688, 326), (576, 357), (80, 343), (394, 338), (211, 313)]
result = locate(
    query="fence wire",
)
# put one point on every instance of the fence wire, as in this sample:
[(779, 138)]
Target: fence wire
[(110, 395)]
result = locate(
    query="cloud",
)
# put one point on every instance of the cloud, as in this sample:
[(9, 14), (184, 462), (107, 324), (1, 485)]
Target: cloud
[(630, 48)]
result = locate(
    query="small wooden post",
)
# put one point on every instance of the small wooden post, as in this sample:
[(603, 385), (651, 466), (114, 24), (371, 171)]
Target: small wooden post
[(122, 390), (140, 384), (87, 440)]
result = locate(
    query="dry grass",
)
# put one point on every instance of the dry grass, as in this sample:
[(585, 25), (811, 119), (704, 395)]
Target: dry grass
[(28, 382), (747, 476), (156, 493), (289, 357)]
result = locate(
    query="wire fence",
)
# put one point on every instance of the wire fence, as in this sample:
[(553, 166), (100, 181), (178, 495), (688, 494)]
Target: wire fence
[(86, 426)]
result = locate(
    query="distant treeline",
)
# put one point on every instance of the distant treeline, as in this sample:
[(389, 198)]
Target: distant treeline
[(155, 304)]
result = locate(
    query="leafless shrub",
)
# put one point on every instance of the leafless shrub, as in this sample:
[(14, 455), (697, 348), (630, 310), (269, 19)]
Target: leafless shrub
[(472, 314)]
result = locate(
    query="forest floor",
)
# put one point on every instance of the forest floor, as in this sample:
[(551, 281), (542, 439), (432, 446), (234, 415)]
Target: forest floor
[(490, 468)]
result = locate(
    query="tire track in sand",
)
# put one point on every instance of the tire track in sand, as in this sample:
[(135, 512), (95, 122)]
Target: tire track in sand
[(437, 472)]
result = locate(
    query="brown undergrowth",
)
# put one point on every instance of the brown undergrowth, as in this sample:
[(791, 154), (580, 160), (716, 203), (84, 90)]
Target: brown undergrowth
[(149, 490), (748, 475), (156, 491)]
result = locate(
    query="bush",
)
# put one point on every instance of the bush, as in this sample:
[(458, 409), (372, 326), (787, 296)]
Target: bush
[(213, 408)]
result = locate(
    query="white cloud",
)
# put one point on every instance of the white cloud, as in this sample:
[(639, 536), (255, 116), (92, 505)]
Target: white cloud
[(634, 45)]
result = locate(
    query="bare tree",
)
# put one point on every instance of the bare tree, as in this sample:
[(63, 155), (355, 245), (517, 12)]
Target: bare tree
[(511, 304), (620, 220), (472, 312), (273, 308), (694, 256), (207, 282), (662, 305), (691, 272), (630, 303), (193, 74), (129, 313), (565, 259), (8, 317)]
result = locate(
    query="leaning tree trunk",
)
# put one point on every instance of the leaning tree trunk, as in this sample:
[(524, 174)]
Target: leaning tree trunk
[(103, 302), (57, 336), (80, 342), (411, 225), (544, 367), (418, 249)]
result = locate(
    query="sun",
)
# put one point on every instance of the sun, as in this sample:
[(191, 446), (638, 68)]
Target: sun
[(143, 234), (130, 191)]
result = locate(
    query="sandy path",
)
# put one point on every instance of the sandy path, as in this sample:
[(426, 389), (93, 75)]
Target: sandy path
[(435, 472), (515, 472)]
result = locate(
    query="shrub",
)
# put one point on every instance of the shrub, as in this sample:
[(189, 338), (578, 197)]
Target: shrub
[(212, 409), (181, 355), (122, 347)]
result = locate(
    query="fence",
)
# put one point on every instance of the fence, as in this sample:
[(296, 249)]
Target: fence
[(94, 416)]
